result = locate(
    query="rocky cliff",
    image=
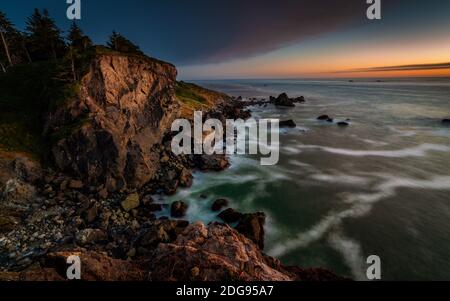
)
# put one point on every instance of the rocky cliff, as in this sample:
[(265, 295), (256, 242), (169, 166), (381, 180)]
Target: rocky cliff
[(106, 133), (110, 149)]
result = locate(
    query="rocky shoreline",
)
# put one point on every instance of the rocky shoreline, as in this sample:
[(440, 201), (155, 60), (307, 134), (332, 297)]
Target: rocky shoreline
[(111, 153)]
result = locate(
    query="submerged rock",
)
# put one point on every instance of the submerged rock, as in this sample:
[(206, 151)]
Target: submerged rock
[(324, 117), (178, 209), (288, 124), (284, 101), (230, 216), (219, 204)]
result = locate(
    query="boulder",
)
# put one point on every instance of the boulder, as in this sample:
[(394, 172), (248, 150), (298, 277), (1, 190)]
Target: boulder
[(230, 216), (131, 202), (284, 101), (324, 117), (288, 124), (300, 99), (219, 204), (178, 209), (252, 227)]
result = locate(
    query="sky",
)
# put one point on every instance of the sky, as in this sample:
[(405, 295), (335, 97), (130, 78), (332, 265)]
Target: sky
[(214, 39)]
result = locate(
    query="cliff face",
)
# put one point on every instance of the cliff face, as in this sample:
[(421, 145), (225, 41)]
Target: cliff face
[(106, 134)]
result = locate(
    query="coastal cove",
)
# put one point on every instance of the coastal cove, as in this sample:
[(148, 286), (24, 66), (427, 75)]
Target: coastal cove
[(331, 200)]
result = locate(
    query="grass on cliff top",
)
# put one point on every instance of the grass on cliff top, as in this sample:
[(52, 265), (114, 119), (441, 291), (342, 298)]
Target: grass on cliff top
[(26, 93), (195, 98)]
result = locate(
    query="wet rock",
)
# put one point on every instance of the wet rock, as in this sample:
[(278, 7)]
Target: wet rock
[(343, 124), (131, 202), (230, 216), (300, 99), (446, 121), (324, 117), (252, 227), (284, 101), (178, 209), (288, 124), (219, 204), (186, 178), (146, 200)]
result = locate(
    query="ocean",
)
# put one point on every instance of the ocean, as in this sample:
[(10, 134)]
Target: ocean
[(338, 195)]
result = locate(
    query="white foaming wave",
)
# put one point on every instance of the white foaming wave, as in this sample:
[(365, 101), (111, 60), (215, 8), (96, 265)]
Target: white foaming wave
[(373, 142), (291, 150), (351, 251), (341, 179), (361, 205), (403, 133), (304, 239), (418, 151)]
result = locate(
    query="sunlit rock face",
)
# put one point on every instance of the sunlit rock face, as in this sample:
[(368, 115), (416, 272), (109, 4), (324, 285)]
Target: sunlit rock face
[(124, 107)]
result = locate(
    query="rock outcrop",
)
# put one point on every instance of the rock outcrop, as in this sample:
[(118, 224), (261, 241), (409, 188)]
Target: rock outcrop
[(105, 134), (213, 253), (288, 124)]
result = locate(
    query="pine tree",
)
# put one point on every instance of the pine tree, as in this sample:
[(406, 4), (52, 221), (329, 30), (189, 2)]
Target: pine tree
[(77, 39), (44, 36), (119, 43), (6, 31)]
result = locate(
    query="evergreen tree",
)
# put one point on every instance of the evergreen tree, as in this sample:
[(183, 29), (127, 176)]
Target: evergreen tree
[(119, 43), (44, 36), (77, 39), (6, 32)]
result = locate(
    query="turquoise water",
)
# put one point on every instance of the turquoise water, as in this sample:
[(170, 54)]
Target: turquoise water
[(379, 187)]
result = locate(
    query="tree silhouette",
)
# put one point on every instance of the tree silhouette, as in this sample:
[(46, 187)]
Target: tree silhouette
[(44, 36), (77, 39), (119, 43)]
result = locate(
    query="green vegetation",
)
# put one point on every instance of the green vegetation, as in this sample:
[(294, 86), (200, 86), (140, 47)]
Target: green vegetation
[(190, 94), (27, 92)]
